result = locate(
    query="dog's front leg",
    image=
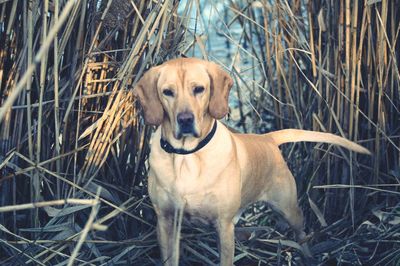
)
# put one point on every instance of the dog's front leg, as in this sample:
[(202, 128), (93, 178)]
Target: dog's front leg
[(168, 231), (225, 229), (165, 227)]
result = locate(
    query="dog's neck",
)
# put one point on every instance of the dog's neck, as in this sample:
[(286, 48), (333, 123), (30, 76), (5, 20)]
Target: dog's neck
[(187, 145)]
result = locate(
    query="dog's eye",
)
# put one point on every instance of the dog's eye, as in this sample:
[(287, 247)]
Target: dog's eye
[(198, 89), (168, 92)]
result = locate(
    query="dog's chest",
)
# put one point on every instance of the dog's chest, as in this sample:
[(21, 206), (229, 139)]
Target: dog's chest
[(187, 174), (185, 181), (188, 178)]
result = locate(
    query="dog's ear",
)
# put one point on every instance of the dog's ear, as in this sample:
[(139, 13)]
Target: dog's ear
[(221, 83), (146, 91)]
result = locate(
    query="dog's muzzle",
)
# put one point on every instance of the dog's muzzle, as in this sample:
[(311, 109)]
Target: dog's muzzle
[(186, 125)]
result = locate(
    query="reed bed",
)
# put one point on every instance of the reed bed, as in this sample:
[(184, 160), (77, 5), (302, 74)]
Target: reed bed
[(73, 146)]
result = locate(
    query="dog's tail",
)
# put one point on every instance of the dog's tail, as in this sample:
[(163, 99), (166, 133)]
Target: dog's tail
[(297, 135)]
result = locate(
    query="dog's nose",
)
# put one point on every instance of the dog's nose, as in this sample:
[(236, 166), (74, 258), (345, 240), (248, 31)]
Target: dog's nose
[(185, 119)]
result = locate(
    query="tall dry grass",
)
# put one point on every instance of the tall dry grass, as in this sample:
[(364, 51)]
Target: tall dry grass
[(73, 147)]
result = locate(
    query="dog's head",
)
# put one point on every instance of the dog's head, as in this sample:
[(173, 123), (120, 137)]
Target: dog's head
[(183, 94)]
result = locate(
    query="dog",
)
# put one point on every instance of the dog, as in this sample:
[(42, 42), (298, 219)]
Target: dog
[(199, 166)]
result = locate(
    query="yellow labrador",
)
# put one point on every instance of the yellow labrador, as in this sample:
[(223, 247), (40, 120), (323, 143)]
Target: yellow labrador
[(198, 165)]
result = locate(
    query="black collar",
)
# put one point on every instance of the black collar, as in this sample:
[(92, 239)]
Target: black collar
[(166, 146)]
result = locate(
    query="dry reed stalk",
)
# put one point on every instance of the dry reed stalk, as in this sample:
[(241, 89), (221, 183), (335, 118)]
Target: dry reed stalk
[(45, 204)]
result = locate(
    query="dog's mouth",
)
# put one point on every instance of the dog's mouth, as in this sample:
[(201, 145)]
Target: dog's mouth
[(184, 132)]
